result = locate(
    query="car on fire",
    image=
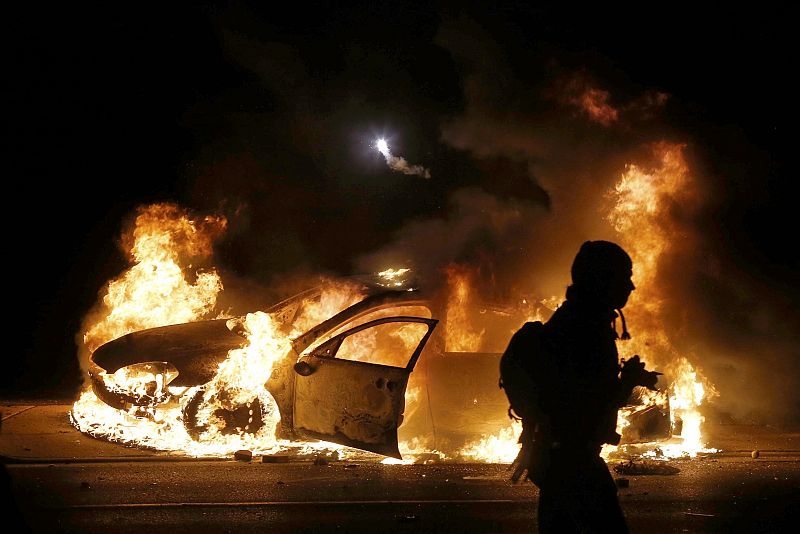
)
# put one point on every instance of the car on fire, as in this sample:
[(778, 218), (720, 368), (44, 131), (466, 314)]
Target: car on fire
[(329, 389)]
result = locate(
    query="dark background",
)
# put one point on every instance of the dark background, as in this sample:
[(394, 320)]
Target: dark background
[(254, 110)]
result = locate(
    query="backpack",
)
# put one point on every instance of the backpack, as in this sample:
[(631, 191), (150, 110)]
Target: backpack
[(523, 370)]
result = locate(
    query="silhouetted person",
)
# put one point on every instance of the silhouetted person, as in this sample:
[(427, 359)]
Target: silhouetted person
[(564, 380)]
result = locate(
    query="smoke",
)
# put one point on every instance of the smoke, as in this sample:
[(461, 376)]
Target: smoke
[(738, 329), (579, 90), (477, 229), (526, 144), (398, 163)]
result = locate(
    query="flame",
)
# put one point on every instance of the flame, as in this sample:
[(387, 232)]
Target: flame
[(334, 297), (238, 383), (157, 289), (164, 236), (393, 277), (640, 216), (501, 447), (461, 335), (391, 274), (644, 199), (162, 287)]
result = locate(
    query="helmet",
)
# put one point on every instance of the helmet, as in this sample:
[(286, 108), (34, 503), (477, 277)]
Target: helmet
[(597, 261)]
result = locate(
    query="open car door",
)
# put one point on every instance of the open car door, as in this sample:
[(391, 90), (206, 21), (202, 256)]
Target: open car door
[(341, 395)]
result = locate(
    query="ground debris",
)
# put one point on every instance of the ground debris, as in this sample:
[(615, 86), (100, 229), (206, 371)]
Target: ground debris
[(243, 455), (645, 468), (321, 461), (623, 482), (275, 459)]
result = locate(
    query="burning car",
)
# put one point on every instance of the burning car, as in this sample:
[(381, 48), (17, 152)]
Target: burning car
[(344, 380)]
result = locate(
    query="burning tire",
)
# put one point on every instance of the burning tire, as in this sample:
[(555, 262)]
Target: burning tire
[(222, 414)]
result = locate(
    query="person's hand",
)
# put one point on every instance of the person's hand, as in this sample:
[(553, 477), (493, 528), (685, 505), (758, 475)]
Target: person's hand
[(634, 374)]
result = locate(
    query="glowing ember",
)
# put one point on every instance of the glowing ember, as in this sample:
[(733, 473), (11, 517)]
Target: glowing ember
[(391, 274), (393, 277)]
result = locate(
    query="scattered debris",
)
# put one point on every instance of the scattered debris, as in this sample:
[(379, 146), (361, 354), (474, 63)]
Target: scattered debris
[(321, 461), (406, 518), (696, 514), (480, 477), (243, 455), (351, 466), (275, 459), (623, 482), (645, 468), (428, 458), (755, 454)]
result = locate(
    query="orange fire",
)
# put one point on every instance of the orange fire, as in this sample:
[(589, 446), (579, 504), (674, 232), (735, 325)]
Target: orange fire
[(157, 289), (643, 200), (462, 336), (163, 287)]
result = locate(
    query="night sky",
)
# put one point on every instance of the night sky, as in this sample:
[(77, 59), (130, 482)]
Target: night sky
[(266, 116)]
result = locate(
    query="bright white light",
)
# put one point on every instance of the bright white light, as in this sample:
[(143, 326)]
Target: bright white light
[(398, 163), (382, 146)]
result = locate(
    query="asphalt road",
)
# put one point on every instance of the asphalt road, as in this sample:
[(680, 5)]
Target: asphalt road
[(146, 493)]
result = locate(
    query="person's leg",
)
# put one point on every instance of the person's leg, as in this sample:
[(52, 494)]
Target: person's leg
[(595, 505), (554, 496)]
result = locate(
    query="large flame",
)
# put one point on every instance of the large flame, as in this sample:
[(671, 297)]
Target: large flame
[(462, 335), (643, 199), (160, 287), (156, 291), (642, 216)]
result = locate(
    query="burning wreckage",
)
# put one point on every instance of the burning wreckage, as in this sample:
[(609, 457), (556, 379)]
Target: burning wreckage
[(350, 363), (344, 381)]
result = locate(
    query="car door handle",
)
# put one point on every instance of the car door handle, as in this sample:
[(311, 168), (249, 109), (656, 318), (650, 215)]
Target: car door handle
[(303, 368)]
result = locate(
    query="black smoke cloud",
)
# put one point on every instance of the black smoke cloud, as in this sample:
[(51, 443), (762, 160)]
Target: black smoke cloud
[(739, 328)]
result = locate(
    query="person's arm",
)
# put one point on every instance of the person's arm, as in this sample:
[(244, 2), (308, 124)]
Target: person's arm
[(632, 375)]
